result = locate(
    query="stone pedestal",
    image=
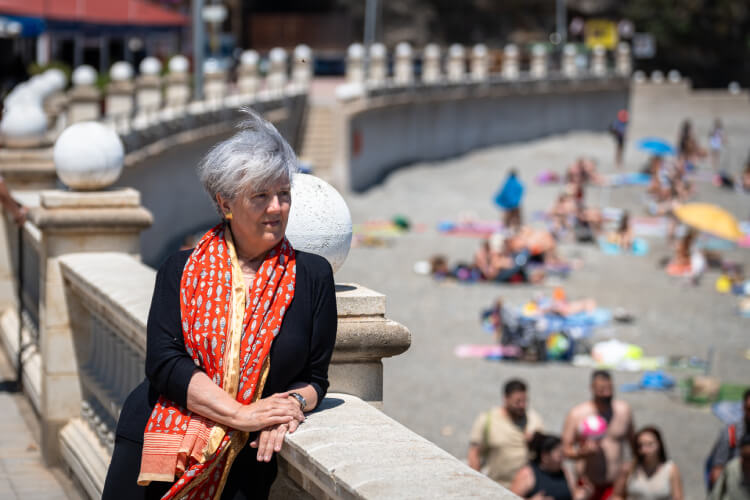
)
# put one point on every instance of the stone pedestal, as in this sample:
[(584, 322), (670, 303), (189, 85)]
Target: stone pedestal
[(355, 63), (85, 104), (378, 71), (480, 67), (511, 63), (456, 63), (177, 90), (248, 81), (599, 61), (569, 65), (73, 222), (365, 336), (431, 72), (118, 104), (55, 106), (403, 71), (215, 87), (538, 67), (148, 97), (623, 61)]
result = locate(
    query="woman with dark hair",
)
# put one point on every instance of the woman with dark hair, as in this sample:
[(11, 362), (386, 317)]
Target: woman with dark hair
[(651, 476), (544, 477)]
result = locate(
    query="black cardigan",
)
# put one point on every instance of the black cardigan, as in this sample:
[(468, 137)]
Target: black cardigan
[(299, 353)]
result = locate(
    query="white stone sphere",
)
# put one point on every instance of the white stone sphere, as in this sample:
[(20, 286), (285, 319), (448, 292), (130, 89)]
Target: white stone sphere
[(734, 88), (40, 86), (57, 78), (88, 156), (599, 50), (211, 66), (249, 58), (674, 76), (456, 51), (121, 71), (511, 50), (623, 48), (403, 49), (570, 49), (479, 50), (277, 55), (377, 51), (539, 50), (657, 76), (319, 220), (432, 51), (24, 121), (150, 66), (179, 64), (22, 95), (355, 51), (84, 75), (639, 76), (302, 53)]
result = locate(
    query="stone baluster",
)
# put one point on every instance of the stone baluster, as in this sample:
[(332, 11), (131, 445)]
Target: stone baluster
[(214, 83), (511, 62), (148, 93), (84, 97), (538, 67), (248, 81), (480, 62), (88, 158), (177, 83), (403, 71), (378, 68), (277, 71), (302, 66), (355, 63), (599, 61), (119, 100), (431, 64), (569, 63), (657, 77), (674, 76), (623, 60), (456, 63)]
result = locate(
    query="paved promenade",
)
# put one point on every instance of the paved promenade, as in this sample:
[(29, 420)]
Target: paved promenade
[(23, 475)]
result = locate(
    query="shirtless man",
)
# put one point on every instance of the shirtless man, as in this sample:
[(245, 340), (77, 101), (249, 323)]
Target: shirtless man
[(598, 462)]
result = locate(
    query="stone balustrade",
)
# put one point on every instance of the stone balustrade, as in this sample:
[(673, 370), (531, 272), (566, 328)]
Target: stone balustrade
[(339, 452)]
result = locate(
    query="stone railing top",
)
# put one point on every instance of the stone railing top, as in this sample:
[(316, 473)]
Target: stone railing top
[(117, 286), (347, 449), (120, 287)]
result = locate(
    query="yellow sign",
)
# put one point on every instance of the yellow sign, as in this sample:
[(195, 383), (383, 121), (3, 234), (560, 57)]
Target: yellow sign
[(600, 32)]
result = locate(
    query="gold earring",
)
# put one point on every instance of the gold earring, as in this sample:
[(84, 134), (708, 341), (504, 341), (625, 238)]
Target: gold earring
[(228, 216)]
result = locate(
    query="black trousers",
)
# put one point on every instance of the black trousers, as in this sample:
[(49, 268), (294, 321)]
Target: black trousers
[(248, 479)]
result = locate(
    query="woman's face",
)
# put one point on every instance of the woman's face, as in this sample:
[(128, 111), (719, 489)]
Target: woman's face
[(259, 217), (648, 446)]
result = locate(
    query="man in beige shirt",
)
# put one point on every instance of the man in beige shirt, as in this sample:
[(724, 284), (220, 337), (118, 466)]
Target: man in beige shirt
[(500, 436)]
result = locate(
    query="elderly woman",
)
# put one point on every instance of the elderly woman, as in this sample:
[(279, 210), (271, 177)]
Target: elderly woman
[(240, 334)]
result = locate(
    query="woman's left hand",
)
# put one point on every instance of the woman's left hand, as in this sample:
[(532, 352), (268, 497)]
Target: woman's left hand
[(270, 440)]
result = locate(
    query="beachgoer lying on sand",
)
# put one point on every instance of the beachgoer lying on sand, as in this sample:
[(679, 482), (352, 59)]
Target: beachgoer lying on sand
[(563, 213), (623, 236), (583, 171), (506, 260), (687, 261)]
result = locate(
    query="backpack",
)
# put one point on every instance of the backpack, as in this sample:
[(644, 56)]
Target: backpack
[(732, 434)]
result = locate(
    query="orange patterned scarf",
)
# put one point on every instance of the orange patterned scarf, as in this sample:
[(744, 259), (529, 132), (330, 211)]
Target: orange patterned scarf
[(228, 337)]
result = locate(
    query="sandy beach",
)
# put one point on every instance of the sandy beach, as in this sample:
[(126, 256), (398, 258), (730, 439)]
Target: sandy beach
[(438, 395)]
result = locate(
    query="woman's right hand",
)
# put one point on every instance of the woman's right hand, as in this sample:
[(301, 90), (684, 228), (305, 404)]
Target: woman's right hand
[(273, 410)]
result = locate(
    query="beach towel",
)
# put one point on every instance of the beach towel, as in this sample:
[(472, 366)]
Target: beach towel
[(638, 248)]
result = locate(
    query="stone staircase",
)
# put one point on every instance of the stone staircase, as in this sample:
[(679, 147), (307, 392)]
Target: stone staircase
[(318, 141)]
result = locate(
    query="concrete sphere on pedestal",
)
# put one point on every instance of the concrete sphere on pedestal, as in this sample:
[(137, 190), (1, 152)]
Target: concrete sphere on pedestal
[(24, 121), (456, 51), (249, 58), (22, 95), (431, 51), (734, 88), (319, 220), (121, 71), (479, 50), (377, 51), (355, 51), (302, 53), (179, 64), (211, 66), (84, 75), (88, 156), (277, 55), (57, 78), (403, 49), (150, 66)]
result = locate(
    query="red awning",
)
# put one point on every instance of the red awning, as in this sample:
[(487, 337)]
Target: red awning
[(121, 12)]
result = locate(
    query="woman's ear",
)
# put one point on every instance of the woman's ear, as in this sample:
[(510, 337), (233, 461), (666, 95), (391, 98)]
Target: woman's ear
[(223, 205)]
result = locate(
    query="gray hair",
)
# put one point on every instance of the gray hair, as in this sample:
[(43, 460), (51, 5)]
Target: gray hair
[(255, 156)]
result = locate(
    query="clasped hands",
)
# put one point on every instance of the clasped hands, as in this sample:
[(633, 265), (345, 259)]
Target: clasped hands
[(274, 417)]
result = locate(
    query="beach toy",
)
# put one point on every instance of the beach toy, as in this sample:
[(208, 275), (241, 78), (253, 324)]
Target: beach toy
[(558, 346), (592, 427), (723, 284), (530, 309), (558, 294)]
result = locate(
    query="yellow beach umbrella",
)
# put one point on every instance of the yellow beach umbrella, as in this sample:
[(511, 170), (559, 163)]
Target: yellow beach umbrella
[(709, 219)]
